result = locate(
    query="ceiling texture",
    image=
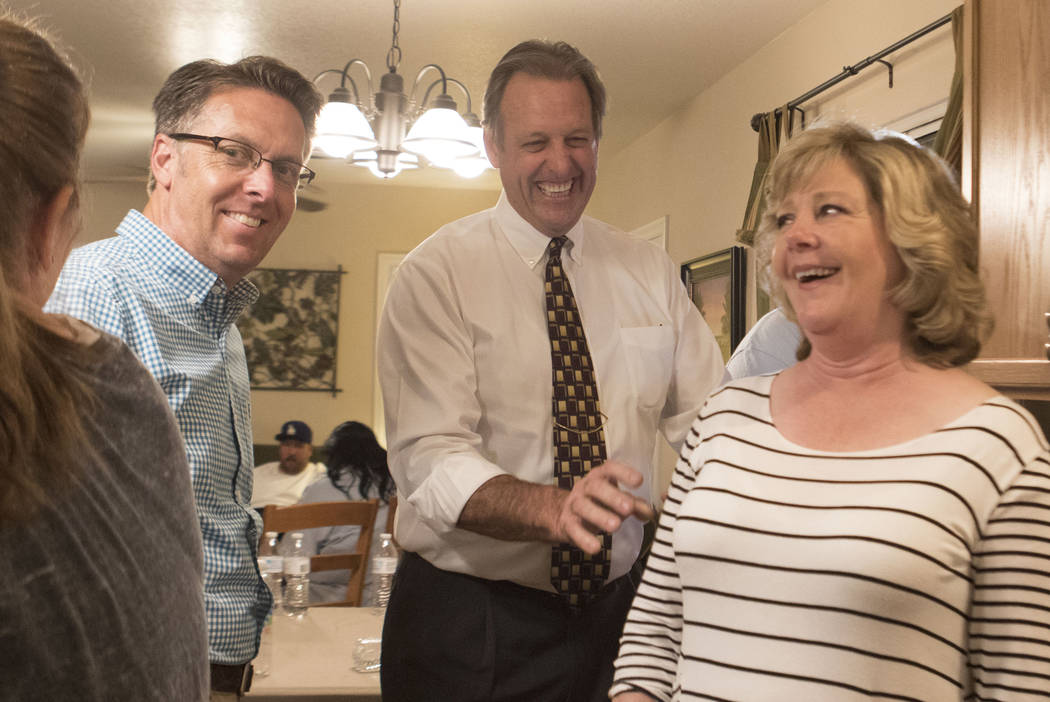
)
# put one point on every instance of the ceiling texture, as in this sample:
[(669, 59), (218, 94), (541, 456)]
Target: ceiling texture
[(653, 56)]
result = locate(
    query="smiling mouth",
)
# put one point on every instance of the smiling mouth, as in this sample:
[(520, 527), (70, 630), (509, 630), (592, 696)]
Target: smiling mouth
[(244, 219), (810, 274), (555, 189)]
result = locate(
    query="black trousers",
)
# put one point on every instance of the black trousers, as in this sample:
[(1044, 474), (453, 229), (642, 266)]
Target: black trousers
[(450, 637)]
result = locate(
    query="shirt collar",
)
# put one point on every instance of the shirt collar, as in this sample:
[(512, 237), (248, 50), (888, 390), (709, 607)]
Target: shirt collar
[(177, 266), (529, 242)]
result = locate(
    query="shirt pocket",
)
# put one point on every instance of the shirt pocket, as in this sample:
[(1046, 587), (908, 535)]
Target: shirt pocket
[(649, 352)]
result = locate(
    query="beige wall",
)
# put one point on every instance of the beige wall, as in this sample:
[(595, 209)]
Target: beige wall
[(360, 222)]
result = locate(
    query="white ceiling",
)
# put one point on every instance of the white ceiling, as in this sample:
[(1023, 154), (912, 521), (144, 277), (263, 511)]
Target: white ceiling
[(653, 55)]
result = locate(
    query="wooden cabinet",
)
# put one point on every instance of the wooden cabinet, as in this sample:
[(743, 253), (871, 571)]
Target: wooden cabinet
[(1006, 167)]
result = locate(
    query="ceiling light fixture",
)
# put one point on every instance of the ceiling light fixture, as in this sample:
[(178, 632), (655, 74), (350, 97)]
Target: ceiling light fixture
[(374, 135)]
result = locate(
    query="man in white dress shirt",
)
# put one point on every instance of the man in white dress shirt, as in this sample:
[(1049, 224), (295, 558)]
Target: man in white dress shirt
[(282, 482), (465, 363)]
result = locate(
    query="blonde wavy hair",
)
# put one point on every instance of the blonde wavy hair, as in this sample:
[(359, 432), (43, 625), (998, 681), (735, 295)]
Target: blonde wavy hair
[(926, 219)]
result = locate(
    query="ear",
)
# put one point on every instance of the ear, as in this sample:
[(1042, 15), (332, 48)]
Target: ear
[(162, 160), (50, 239), (491, 147), (53, 230)]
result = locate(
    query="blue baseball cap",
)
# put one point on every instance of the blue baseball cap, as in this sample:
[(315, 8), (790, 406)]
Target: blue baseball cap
[(296, 430)]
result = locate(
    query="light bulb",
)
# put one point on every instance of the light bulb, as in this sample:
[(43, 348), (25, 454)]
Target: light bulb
[(440, 135), (342, 129)]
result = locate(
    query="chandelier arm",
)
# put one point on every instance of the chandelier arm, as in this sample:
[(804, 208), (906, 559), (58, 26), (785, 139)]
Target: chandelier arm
[(443, 80), (454, 81), (326, 72), (368, 75), (344, 78)]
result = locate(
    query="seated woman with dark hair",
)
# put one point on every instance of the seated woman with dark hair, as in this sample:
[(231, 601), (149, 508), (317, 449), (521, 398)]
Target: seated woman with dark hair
[(872, 522), (101, 594), (357, 470)]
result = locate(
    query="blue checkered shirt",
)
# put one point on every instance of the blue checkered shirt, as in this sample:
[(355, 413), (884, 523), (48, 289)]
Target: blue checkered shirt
[(178, 317)]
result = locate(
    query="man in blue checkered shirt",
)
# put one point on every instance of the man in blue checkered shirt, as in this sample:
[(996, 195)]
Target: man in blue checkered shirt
[(226, 163)]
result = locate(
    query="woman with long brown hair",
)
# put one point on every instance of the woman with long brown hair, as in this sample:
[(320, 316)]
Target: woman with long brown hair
[(101, 594)]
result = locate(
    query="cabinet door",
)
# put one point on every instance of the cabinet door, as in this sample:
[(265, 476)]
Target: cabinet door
[(1007, 139)]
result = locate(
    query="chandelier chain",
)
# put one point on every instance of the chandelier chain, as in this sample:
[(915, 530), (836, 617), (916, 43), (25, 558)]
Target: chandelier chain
[(393, 57)]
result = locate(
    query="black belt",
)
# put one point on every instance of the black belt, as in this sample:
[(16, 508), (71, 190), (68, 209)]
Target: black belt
[(231, 678)]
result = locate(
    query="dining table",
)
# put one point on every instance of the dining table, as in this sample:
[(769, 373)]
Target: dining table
[(312, 657)]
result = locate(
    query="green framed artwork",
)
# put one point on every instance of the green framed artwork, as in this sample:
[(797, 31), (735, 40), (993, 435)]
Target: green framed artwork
[(717, 285), (763, 302), (291, 333)]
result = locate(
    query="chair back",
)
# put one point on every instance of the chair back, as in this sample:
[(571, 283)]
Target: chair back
[(391, 514), (361, 513)]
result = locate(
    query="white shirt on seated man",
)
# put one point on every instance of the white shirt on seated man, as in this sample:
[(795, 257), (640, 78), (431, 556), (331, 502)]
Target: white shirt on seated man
[(769, 347), (282, 482)]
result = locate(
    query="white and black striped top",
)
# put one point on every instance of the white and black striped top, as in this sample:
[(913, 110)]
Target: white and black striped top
[(920, 571)]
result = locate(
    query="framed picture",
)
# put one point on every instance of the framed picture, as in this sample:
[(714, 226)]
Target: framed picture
[(291, 333), (717, 285)]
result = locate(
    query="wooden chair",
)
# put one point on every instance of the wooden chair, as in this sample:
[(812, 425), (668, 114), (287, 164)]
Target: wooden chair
[(390, 514), (360, 513)]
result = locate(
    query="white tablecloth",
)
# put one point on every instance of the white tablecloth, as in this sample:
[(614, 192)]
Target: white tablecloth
[(313, 657)]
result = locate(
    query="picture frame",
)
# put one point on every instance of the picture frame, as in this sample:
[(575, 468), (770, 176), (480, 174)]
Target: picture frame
[(717, 285), (291, 333)]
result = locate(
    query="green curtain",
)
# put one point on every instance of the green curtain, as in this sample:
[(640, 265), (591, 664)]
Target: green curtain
[(948, 142), (773, 130)]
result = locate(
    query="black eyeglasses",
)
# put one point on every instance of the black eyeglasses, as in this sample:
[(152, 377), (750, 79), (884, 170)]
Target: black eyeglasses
[(244, 157)]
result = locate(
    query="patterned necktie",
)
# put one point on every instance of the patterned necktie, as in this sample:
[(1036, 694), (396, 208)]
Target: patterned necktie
[(579, 437)]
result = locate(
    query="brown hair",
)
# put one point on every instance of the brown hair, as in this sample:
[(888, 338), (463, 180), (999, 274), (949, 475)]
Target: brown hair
[(42, 394), (926, 219), (188, 88), (544, 59)]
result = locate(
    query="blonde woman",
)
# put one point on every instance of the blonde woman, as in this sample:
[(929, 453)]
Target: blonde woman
[(873, 522)]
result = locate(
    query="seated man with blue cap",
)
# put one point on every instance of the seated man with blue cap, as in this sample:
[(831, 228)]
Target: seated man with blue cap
[(282, 482)]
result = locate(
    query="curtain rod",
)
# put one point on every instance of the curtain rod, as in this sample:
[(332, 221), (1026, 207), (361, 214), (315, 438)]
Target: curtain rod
[(848, 71)]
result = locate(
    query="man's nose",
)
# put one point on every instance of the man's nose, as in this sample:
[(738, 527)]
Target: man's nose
[(261, 180), (559, 158)]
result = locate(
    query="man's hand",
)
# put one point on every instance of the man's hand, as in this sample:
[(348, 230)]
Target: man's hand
[(632, 696), (596, 503), (513, 510)]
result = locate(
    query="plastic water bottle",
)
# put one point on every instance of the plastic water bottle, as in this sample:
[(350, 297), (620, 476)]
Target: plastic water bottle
[(297, 577), (264, 659), (384, 563), (271, 568)]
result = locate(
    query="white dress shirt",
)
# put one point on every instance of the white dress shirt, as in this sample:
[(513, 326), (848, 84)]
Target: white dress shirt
[(465, 368)]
